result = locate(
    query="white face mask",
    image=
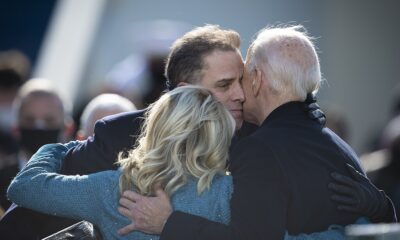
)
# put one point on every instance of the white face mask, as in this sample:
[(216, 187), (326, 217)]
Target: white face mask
[(7, 118)]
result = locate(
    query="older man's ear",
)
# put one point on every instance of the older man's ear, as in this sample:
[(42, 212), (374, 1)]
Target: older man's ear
[(257, 81)]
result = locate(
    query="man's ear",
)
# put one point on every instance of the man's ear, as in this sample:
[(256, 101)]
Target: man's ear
[(257, 81)]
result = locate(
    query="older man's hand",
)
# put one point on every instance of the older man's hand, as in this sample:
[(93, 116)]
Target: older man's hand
[(148, 214)]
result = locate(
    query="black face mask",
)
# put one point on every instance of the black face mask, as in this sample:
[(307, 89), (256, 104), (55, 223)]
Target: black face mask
[(32, 139)]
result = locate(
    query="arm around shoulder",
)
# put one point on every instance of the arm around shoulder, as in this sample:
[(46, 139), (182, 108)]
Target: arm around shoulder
[(47, 159)]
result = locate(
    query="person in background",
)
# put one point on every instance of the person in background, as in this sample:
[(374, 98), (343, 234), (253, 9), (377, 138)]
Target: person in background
[(42, 117), (101, 106), (14, 71)]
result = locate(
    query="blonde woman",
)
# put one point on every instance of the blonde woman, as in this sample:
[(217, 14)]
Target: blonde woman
[(183, 147)]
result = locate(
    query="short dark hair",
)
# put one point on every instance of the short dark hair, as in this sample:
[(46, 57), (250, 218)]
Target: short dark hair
[(185, 61)]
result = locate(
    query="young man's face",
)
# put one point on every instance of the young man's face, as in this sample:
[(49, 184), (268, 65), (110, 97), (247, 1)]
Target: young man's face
[(222, 75)]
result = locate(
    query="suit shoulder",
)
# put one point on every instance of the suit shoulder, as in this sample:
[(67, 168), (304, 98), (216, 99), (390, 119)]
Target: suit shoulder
[(120, 121), (123, 117)]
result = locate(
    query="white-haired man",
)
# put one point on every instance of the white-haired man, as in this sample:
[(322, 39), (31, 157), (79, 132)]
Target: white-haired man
[(281, 172)]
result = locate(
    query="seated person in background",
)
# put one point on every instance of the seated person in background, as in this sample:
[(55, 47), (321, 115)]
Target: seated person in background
[(183, 149), (101, 106)]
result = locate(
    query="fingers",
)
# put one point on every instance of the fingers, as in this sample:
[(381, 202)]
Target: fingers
[(134, 202), (160, 193), (127, 203), (124, 212), (133, 196), (344, 200), (343, 180), (341, 189), (127, 229), (148, 213)]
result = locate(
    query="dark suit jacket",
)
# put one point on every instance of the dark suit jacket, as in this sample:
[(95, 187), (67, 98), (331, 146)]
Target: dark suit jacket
[(112, 135), (280, 174)]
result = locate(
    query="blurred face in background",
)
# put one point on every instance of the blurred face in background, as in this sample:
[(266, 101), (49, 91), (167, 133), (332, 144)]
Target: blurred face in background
[(40, 121)]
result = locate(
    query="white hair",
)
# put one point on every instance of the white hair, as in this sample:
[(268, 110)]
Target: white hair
[(288, 58), (101, 106)]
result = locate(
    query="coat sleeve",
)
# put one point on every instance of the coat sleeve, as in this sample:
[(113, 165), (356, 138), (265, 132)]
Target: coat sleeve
[(112, 135), (40, 188), (92, 155)]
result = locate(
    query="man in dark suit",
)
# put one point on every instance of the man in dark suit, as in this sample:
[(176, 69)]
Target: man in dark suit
[(207, 56), (282, 171)]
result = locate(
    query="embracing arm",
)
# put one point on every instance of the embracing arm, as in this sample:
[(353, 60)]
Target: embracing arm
[(112, 134), (258, 206), (92, 155), (40, 188), (357, 194)]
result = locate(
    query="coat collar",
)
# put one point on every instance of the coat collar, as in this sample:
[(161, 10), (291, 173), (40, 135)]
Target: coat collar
[(293, 110)]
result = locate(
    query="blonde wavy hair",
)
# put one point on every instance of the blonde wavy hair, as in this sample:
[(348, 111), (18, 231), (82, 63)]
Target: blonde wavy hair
[(187, 133)]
